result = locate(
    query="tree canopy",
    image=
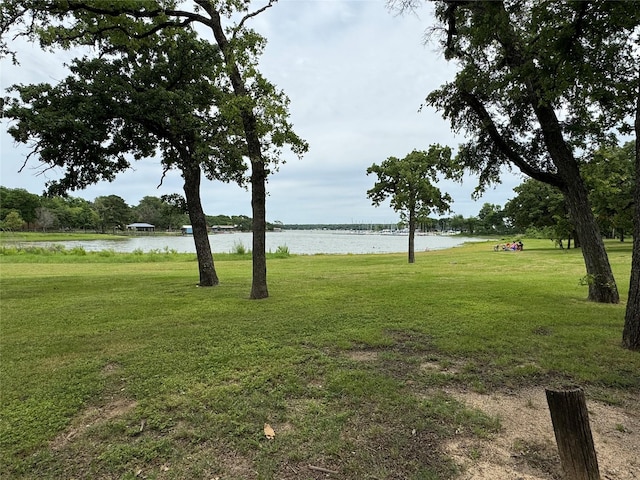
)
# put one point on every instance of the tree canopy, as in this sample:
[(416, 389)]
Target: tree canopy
[(113, 213), (610, 177), (19, 200)]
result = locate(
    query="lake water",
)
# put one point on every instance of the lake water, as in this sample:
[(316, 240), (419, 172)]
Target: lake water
[(299, 242)]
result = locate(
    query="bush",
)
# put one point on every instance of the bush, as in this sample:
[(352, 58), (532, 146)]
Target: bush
[(282, 251), (239, 248), (540, 233)]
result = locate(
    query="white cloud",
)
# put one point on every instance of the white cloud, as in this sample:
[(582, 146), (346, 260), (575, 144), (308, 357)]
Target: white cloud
[(356, 75)]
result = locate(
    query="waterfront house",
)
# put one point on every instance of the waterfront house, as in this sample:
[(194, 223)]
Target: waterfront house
[(223, 228), (141, 227)]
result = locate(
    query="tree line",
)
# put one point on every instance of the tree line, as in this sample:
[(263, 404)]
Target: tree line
[(21, 210), (540, 210)]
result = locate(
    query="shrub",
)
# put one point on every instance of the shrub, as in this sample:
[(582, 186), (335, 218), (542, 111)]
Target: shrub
[(239, 248), (282, 251)]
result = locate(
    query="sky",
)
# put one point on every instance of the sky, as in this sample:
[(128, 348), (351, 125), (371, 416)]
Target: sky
[(356, 74)]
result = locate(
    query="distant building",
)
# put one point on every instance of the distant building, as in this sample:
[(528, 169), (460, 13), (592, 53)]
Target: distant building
[(223, 228), (188, 229), (141, 227)]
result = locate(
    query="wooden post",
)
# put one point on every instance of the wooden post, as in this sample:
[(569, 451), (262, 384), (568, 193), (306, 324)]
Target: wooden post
[(570, 420)]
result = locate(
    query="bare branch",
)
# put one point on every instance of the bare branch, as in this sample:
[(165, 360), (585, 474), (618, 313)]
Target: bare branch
[(400, 7), (139, 14), (250, 15), (165, 170)]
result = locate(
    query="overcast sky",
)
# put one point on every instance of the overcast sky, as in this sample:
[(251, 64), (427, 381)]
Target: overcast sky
[(356, 75)]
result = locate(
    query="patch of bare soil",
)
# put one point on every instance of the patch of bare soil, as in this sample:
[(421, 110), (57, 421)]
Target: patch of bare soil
[(362, 355), (92, 416), (525, 449)]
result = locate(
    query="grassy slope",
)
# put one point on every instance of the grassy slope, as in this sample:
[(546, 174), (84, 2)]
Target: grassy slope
[(181, 379)]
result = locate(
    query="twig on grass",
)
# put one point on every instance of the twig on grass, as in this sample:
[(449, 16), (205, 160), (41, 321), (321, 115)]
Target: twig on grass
[(322, 469)]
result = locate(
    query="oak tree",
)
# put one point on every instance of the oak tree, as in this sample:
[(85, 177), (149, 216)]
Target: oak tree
[(631, 330), (113, 213), (531, 96), (164, 95), (259, 107), (408, 184), (540, 85)]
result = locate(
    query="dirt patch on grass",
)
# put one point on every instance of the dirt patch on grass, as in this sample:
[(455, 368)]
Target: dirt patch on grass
[(110, 369), (432, 366), (525, 449), (362, 355), (92, 416)]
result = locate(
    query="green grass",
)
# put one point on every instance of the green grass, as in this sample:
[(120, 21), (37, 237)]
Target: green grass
[(117, 365), (12, 237)]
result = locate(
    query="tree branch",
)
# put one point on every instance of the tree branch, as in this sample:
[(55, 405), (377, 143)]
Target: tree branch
[(186, 16), (489, 126), (450, 14), (250, 15), (139, 14)]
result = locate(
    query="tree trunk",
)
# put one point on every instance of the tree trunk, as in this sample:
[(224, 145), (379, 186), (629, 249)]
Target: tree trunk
[(602, 285), (258, 206), (631, 331), (208, 276), (570, 420), (412, 233), (258, 169)]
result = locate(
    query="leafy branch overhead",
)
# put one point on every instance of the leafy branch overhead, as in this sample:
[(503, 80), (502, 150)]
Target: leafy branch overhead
[(109, 111)]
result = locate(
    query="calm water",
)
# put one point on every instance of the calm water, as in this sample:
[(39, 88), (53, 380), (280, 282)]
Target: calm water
[(297, 241)]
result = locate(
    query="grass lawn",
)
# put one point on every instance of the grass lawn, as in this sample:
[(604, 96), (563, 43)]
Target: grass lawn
[(118, 366), (13, 237)]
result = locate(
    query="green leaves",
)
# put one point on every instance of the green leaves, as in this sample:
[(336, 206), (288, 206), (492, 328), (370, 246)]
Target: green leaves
[(163, 98), (575, 60), (407, 182)]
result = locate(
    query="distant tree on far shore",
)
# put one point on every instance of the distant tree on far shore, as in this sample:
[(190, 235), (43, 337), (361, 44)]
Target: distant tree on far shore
[(407, 182)]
